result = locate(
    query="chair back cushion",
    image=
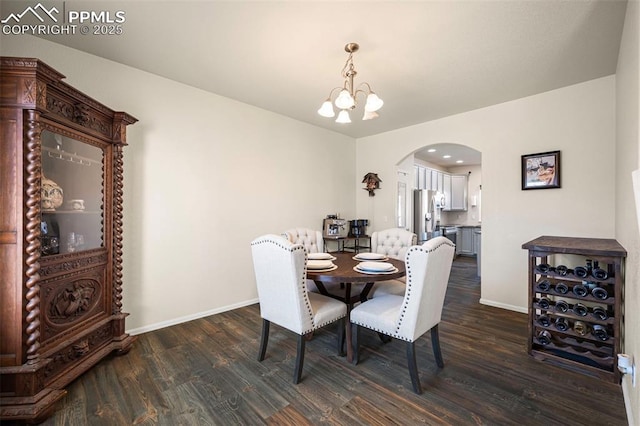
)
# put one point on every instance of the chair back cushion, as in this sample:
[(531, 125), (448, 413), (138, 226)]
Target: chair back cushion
[(310, 239), (280, 274), (393, 242), (428, 268)]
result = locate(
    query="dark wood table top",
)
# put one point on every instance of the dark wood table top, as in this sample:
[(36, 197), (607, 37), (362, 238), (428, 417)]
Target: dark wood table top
[(346, 274)]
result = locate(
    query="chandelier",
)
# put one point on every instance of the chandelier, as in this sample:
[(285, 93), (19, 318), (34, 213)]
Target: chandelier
[(346, 99)]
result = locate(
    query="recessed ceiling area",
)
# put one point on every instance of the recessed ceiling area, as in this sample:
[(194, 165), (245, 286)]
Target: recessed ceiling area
[(449, 155)]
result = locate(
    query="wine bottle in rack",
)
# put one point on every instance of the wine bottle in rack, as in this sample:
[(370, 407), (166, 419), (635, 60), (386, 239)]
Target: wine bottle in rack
[(600, 313), (562, 306), (562, 270), (580, 272), (600, 293), (544, 321), (561, 288), (544, 337), (544, 303), (600, 332), (562, 324), (544, 285), (580, 310), (543, 268), (599, 273), (580, 328), (580, 290)]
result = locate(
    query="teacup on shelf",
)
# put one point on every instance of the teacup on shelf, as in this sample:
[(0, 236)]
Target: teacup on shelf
[(77, 204)]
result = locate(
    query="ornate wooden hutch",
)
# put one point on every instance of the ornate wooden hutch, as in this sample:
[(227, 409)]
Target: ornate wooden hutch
[(61, 174)]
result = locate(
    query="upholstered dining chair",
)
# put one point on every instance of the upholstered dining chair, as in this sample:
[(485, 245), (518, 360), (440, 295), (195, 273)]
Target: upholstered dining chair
[(280, 270), (393, 243), (312, 242), (311, 239), (410, 316)]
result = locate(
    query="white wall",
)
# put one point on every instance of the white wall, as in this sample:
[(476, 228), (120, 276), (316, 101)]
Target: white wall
[(578, 120), (204, 175), (627, 216)]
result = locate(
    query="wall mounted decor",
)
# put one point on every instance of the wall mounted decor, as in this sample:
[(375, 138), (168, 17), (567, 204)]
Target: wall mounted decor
[(373, 182), (541, 171)]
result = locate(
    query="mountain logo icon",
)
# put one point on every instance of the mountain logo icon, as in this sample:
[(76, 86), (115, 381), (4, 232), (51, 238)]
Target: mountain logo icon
[(38, 11)]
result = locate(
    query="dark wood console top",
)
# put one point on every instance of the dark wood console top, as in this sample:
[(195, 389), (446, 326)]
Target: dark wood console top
[(574, 245)]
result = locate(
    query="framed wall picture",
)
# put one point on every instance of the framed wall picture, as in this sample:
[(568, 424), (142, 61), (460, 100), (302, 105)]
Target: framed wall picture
[(541, 171)]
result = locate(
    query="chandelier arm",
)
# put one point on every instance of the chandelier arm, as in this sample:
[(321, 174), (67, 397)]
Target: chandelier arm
[(364, 83), (361, 91)]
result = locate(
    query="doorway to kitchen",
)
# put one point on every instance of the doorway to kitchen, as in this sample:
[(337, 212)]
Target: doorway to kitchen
[(450, 175)]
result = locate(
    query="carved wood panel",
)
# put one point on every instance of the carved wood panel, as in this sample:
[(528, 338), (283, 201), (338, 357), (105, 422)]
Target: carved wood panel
[(71, 300)]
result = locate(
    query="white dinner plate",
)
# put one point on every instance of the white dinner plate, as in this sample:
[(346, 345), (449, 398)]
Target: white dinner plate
[(375, 266), (316, 271), (370, 256), (364, 271), (320, 256), (319, 264)]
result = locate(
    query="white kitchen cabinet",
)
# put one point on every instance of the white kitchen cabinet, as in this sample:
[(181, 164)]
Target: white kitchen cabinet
[(434, 180), (458, 198), (421, 178), (427, 179), (439, 181), (466, 241), (446, 190)]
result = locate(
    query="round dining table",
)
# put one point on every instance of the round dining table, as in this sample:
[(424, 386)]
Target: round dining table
[(341, 282)]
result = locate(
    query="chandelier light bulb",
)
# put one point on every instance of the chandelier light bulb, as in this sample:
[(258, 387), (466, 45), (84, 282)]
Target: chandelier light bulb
[(344, 100), (343, 117), (326, 110), (374, 103)]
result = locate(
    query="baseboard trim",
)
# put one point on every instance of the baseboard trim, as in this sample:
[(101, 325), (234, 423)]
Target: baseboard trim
[(626, 395), (504, 306), (180, 320)]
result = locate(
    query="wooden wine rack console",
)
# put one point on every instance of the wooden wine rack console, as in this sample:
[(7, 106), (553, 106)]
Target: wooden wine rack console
[(590, 344)]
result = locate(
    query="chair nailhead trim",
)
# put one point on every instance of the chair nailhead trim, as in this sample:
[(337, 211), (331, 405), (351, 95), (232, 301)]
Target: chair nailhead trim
[(410, 278)]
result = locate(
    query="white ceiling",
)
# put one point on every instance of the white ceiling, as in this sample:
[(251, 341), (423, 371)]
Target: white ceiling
[(425, 59)]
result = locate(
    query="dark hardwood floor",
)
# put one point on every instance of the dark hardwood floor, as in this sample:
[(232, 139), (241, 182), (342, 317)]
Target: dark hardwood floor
[(205, 372)]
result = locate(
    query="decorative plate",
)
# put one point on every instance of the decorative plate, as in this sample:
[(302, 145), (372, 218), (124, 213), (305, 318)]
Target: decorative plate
[(370, 256), (320, 256), (375, 266), (364, 271)]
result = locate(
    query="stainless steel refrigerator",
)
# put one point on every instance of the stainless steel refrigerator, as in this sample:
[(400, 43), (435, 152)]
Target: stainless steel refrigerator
[(427, 205)]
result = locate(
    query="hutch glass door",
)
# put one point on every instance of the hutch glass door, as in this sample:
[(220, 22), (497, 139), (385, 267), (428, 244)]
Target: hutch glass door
[(72, 195)]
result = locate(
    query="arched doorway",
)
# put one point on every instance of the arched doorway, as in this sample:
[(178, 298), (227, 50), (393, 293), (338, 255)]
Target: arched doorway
[(444, 169)]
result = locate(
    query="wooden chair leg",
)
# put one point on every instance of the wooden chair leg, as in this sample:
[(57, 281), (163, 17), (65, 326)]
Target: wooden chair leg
[(413, 367), (264, 339), (297, 373), (435, 342), (341, 336), (355, 332)]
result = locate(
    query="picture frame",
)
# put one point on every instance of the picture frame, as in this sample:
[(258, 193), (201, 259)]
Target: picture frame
[(541, 170)]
